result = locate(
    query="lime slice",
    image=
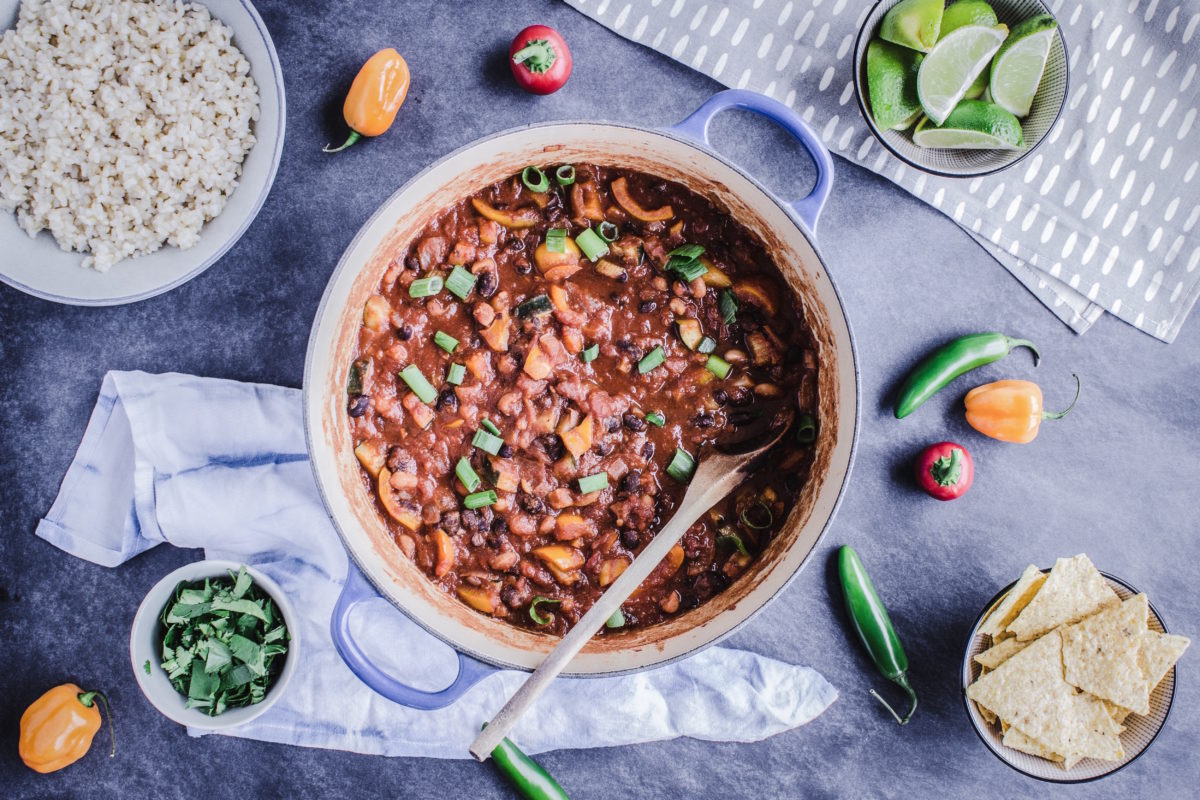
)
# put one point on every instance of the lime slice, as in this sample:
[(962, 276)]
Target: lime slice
[(1020, 62), (913, 23), (973, 125), (967, 12), (953, 65), (892, 84)]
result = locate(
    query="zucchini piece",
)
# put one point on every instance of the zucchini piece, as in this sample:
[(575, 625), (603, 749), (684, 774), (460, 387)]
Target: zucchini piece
[(536, 306), (360, 370), (715, 277), (690, 332), (608, 269), (762, 351)]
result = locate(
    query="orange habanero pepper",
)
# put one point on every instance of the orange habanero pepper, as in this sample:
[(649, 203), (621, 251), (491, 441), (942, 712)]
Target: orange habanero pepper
[(1010, 411), (57, 729), (375, 96)]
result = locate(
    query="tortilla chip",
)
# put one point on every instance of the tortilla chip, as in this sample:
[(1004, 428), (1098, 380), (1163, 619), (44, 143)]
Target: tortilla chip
[(1011, 604), (998, 653), (1019, 740), (1158, 653), (1100, 655), (1075, 589), (987, 714), (1117, 713), (1028, 692)]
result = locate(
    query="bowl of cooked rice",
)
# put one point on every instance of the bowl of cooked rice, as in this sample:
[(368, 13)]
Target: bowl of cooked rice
[(138, 140)]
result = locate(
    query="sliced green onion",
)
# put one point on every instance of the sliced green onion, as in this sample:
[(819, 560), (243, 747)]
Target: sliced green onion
[(652, 360), (534, 615), (685, 261), (481, 499), (707, 345), (535, 306), (728, 538), (608, 231), (593, 483), (565, 175), (687, 252), (691, 270), (425, 287), (467, 475), (682, 465), (591, 244), (416, 381), (490, 427), (534, 179), (617, 620), (718, 366), (487, 442), (590, 353), (806, 429), (751, 524), (729, 307), (445, 341), (456, 374), (556, 240), (460, 282), (656, 419)]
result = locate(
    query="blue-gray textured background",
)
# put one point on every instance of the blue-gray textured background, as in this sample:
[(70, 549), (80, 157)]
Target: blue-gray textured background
[(1115, 479)]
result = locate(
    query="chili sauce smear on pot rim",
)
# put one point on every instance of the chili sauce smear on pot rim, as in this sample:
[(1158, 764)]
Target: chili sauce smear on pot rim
[(540, 369)]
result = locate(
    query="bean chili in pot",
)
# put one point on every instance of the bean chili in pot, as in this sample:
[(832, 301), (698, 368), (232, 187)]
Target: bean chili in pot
[(540, 369)]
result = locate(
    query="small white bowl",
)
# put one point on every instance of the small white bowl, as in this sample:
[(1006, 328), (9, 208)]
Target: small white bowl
[(145, 642)]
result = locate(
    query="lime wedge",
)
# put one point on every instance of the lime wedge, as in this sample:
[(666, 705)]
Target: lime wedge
[(892, 84), (913, 23), (953, 65), (978, 87), (973, 125), (1020, 62), (967, 12)]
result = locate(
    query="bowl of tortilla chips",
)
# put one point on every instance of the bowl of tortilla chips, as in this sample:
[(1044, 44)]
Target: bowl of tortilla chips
[(1069, 673)]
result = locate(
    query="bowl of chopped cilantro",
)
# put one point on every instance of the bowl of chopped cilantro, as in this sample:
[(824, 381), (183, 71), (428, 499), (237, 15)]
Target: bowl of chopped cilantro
[(213, 644)]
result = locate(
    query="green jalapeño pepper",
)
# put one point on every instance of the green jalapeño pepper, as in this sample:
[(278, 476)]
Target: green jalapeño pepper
[(528, 776), (874, 628), (951, 360)]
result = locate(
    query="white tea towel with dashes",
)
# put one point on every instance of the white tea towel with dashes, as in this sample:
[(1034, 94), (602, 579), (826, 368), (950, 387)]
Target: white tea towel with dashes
[(1102, 216)]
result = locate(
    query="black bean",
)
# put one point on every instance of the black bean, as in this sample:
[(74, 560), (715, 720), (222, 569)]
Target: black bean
[(741, 397), (499, 525), (530, 504), (399, 460), (604, 448), (623, 277), (634, 422), (721, 396), (358, 405), (704, 420), (521, 265), (450, 521), (703, 584), (478, 539), (413, 263), (631, 349), (404, 333), (688, 600), (494, 542), (648, 451), (447, 399), (472, 520), (516, 245), (646, 306), (511, 597), (552, 445), (630, 538), (488, 283), (613, 425), (631, 481), (505, 451)]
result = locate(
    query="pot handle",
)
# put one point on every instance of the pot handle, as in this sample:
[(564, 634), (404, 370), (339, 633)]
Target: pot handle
[(695, 126), (358, 590)]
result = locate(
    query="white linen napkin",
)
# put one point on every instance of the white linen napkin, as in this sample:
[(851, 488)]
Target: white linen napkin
[(221, 465)]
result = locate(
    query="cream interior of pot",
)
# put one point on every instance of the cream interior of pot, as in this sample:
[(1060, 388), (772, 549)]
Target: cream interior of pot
[(335, 335)]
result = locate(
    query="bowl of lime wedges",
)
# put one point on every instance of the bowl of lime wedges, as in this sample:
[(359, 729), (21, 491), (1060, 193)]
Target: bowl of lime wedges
[(964, 89)]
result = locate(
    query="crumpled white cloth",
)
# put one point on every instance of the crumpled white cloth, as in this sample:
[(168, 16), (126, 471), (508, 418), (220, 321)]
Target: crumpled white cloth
[(221, 465)]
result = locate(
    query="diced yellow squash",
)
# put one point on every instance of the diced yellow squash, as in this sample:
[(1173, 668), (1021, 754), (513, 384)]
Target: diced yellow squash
[(444, 547), (537, 363), (557, 266), (690, 332), (578, 440), (608, 269), (562, 561), (496, 334), (762, 351), (376, 313), (507, 477), (621, 194), (675, 558), (477, 598), (372, 456), (403, 512), (715, 277), (520, 218), (558, 296), (756, 293), (611, 569), (572, 526)]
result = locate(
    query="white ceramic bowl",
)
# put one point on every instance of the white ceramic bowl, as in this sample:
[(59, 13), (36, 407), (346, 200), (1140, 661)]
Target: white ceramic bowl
[(145, 639), (1140, 730), (37, 266)]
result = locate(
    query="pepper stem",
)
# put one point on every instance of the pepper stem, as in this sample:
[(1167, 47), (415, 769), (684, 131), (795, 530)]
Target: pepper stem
[(1037, 357), (1063, 413), (87, 698), (902, 680), (351, 139), (537, 55)]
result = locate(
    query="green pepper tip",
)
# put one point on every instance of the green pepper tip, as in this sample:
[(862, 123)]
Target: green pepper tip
[(351, 139)]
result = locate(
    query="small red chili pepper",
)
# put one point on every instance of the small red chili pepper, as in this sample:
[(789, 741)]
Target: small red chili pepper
[(945, 470), (540, 60)]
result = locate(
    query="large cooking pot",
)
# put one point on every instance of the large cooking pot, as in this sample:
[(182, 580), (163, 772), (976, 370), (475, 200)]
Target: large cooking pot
[(679, 154)]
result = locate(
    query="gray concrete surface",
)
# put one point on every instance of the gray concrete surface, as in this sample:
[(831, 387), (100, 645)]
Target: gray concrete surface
[(1115, 479)]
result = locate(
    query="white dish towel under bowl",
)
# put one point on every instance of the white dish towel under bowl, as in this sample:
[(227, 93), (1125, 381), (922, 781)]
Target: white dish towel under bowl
[(221, 465)]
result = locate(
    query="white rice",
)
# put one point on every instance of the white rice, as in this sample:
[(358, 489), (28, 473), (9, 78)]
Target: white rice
[(123, 123)]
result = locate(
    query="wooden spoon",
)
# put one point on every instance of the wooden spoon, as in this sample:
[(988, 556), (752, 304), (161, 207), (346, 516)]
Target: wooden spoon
[(718, 474)]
